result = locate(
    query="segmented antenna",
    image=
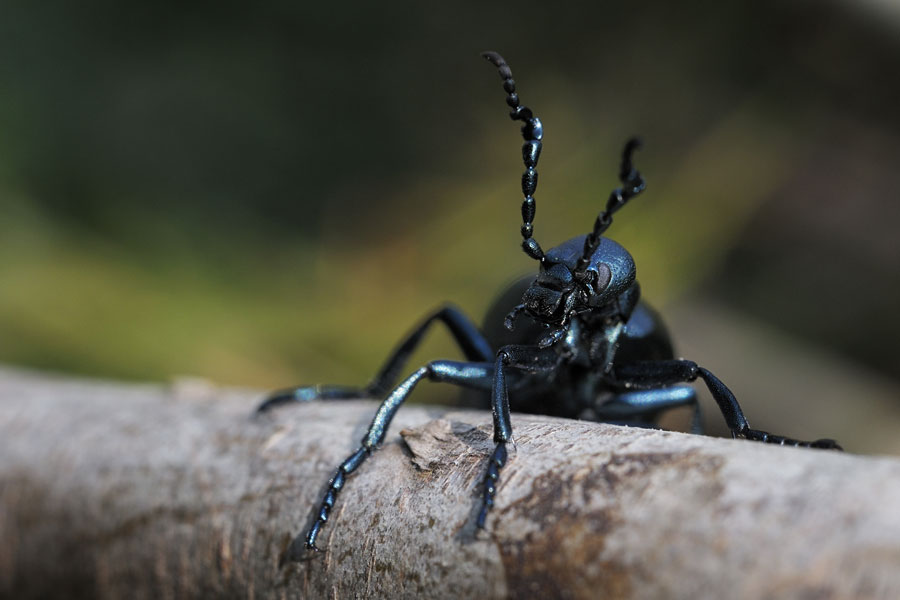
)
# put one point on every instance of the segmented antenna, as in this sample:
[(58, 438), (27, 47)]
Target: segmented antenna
[(532, 131), (632, 184)]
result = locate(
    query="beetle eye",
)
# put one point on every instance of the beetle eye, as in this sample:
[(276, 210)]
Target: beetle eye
[(601, 277)]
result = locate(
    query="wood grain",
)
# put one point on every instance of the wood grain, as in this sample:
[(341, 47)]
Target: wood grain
[(144, 491)]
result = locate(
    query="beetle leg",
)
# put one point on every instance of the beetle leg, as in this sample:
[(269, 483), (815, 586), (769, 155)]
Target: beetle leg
[(308, 393), (645, 405), (524, 358), (478, 375), (466, 334), (652, 374)]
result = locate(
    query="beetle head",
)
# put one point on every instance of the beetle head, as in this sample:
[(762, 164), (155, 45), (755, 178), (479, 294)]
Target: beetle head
[(561, 290)]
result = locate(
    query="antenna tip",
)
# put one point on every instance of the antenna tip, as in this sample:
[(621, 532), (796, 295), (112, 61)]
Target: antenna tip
[(493, 57), (633, 143)]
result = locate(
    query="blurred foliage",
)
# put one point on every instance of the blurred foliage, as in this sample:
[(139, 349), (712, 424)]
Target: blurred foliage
[(272, 193)]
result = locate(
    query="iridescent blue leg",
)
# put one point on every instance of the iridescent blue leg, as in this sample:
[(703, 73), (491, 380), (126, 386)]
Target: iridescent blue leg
[(308, 393), (466, 334), (520, 358), (644, 406), (469, 374), (651, 374)]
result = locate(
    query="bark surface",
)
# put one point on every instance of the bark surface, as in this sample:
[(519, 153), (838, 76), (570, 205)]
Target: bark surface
[(143, 491)]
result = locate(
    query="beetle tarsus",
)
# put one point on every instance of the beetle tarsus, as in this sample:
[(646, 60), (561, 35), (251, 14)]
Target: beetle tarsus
[(489, 484), (765, 437)]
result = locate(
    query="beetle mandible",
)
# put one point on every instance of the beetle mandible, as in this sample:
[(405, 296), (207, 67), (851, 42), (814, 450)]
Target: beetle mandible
[(585, 345)]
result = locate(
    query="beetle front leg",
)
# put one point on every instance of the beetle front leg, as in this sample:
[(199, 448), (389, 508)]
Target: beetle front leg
[(469, 374), (526, 358), (651, 374)]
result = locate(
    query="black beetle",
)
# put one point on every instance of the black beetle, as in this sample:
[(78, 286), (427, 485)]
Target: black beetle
[(588, 347)]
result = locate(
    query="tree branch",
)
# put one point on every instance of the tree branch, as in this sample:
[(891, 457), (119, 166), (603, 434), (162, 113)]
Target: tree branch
[(112, 490)]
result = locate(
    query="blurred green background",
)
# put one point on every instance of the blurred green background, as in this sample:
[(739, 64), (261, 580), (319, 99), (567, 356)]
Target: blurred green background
[(272, 194)]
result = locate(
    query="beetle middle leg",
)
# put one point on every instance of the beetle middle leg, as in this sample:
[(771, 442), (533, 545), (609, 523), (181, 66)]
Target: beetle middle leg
[(650, 374), (644, 406), (466, 334)]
